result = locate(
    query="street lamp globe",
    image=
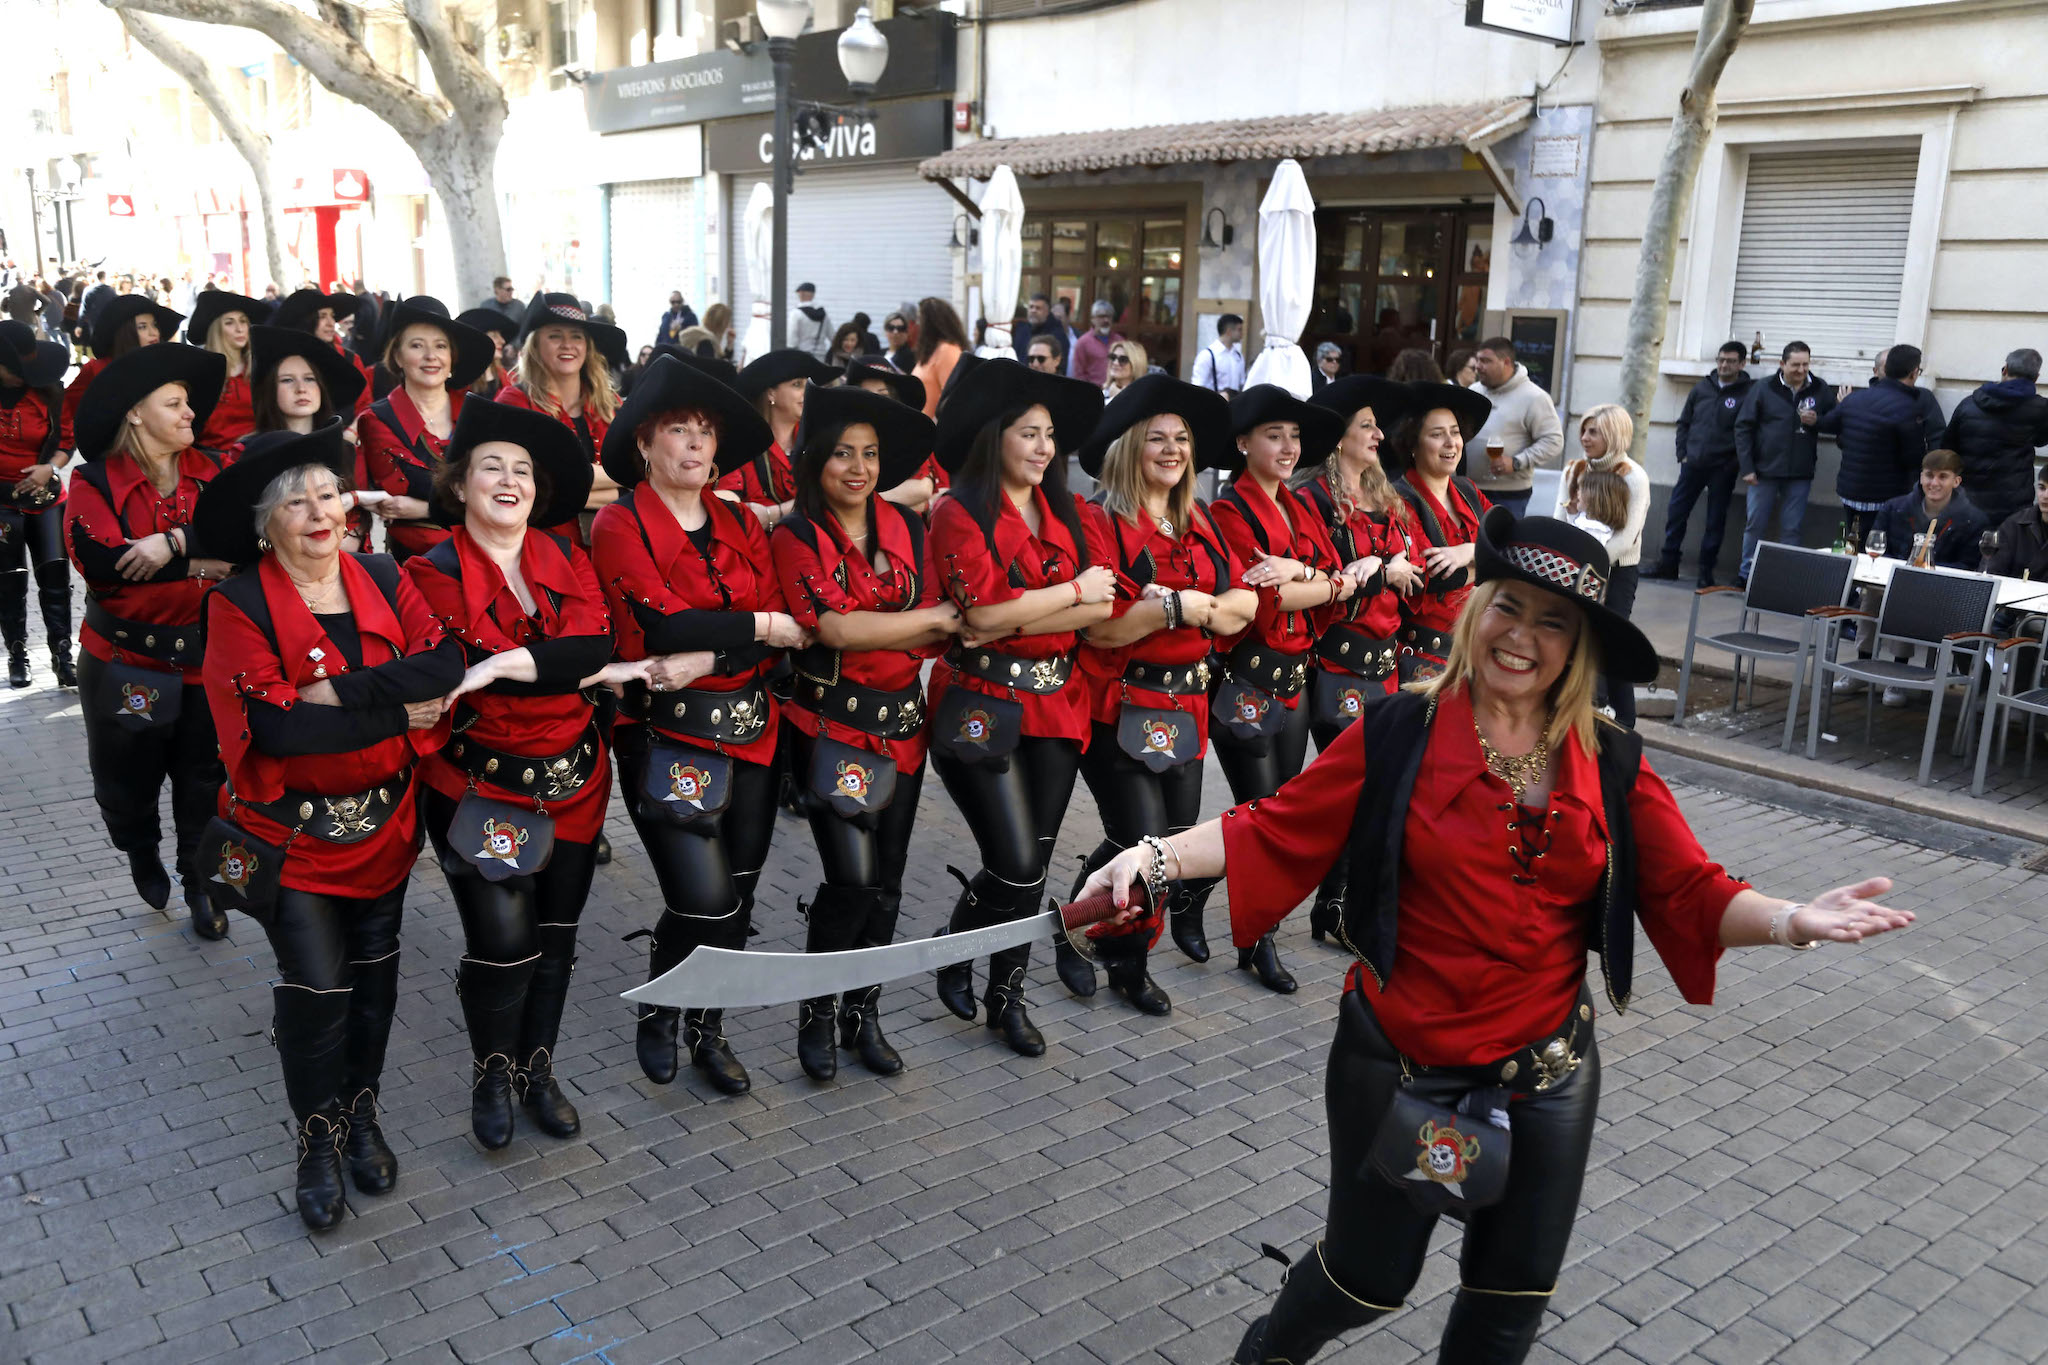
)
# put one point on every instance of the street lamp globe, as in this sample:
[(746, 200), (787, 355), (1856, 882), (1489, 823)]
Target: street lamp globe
[(863, 53), (783, 18)]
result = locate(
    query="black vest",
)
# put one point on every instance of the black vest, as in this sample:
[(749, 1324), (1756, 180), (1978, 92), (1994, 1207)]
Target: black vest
[(1396, 731)]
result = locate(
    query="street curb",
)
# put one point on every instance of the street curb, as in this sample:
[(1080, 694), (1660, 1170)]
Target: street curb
[(1817, 776)]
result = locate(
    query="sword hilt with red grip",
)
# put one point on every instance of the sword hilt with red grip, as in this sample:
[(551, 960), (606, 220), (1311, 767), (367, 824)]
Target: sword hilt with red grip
[(1078, 916)]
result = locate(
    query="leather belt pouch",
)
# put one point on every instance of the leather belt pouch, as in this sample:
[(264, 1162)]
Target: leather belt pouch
[(1339, 698), (1158, 738), (685, 786), (852, 783), (242, 870), (140, 699), (977, 728), (499, 839)]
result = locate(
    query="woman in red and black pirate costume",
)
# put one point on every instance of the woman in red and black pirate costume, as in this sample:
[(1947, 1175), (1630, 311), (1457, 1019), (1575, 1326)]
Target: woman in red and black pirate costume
[(515, 803), (220, 322), (853, 572), (128, 527), (401, 436), (128, 323), (774, 384), (1260, 702), (1178, 586), (35, 442), (314, 313), (1008, 719), (326, 674), (1428, 446), (692, 586), (916, 489), (1498, 830), (1374, 532), (565, 370)]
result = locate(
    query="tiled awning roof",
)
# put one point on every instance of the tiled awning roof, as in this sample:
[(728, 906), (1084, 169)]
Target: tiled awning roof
[(1259, 139)]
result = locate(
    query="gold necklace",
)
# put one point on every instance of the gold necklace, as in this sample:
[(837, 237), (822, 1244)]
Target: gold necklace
[(1519, 771)]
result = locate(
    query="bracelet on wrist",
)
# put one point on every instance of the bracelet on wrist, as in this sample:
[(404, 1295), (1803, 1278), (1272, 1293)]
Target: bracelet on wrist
[(1781, 927), (1077, 592)]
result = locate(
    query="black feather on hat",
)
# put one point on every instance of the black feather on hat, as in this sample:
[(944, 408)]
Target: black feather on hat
[(552, 445), (473, 350), (779, 367), (563, 310), (903, 433), (1204, 410), (37, 363), (120, 316), (129, 379), (669, 385), (908, 388), (996, 387), (300, 309), (1560, 558), (1321, 429), (224, 521), (212, 303), (269, 347)]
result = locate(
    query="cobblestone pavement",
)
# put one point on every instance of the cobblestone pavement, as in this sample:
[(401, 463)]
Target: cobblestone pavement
[(1839, 1160)]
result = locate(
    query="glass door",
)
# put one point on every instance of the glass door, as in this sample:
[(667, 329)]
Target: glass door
[(1388, 280)]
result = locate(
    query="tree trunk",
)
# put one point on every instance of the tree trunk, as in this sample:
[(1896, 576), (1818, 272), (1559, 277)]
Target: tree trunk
[(461, 168), (254, 147), (1722, 23)]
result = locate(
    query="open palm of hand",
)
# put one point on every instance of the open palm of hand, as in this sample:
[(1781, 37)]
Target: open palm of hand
[(1846, 914)]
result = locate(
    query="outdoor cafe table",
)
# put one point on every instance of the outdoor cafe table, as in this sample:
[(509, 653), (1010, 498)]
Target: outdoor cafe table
[(1875, 571)]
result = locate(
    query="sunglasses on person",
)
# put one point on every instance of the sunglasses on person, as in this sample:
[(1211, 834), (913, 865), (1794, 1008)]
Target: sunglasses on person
[(894, 327), (1119, 358)]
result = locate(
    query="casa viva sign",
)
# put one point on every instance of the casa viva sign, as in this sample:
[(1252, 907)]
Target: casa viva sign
[(901, 131)]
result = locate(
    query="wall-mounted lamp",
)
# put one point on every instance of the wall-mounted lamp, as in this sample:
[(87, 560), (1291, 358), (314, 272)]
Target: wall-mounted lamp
[(1544, 228), (965, 233), (1217, 232)]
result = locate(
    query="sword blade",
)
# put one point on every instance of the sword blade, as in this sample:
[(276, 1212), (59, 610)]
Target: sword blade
[(719, 978)]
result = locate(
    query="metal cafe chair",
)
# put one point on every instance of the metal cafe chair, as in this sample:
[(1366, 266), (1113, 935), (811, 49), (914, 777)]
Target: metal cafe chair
[(1999, 705), (1947, 613), (1785, 583)]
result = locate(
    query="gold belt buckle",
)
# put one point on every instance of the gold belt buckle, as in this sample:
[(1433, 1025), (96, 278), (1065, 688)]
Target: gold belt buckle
[(1555, 1062)]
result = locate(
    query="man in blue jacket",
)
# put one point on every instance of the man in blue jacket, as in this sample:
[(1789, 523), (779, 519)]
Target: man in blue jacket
[(1944, 514), (1706, 462), (1883, 434), (1777, 448)]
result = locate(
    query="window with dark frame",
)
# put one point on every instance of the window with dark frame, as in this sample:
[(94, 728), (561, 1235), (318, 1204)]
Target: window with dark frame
[(1134, 259), (1392, 279)]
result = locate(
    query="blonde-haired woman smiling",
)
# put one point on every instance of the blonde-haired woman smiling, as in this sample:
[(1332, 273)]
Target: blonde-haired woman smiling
[(1605, 435)]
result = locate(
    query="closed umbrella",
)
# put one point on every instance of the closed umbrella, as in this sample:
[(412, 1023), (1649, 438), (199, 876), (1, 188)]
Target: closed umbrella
[(1002, 259), (1287, 277), (760, 230)]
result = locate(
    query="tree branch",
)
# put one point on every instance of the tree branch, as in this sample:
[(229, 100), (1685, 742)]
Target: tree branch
[(191, 68), (336, 59), (465, 81)]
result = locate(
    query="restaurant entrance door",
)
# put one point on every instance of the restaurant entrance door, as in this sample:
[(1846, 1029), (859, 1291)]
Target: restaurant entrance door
[(1388, 279)]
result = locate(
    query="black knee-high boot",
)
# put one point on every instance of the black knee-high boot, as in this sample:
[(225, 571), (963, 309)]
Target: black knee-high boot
[(655, 1040), (540, 1026), (493, 1000), (833, 921), (1005, 997), (14, 624), (860, 1021), (311, 1029), (1311, 1312), (53, 592), (1186, 902), (1126, 960), (373, 999), (1077, 973), (956, 979), (1491, 1328)]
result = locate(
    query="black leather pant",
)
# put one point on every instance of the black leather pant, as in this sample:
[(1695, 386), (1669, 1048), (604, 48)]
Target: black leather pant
[(337, 960), (1014, 814), (1330, 895), (708, 873), (1254, 768), (1136, 802), (1376, 1239), (129, 767), (35, 540), (862, 895)]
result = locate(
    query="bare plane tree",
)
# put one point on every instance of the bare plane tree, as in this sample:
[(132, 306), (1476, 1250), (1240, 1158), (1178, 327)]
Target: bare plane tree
[(1722, 24), (454, 130)]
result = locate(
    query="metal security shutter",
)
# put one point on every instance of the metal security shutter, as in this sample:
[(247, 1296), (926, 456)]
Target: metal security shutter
[(1823, 249), (871, 239), (657, 243)]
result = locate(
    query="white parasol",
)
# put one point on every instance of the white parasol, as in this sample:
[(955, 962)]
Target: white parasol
[(1002, 259), (760, 230), (1287, 274)]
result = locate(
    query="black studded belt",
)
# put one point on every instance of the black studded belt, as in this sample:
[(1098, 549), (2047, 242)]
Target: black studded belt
[(555, 778), (1175, 680), (1257, 664), (1355, 652), (1536, 1067), (738, 717), (1014, 671), (336, 819), (183, 646), (1422, 640), (886, 715)]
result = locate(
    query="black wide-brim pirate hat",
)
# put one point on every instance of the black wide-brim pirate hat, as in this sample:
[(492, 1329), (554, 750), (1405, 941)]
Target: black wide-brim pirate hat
[(995, 388), (779, 367), (120, 316), (269, 347), (135, 376), (474, 351), (213, 303), (724, 371), (489, 320), (300, 309), (38, 363), (551, 443), (224, 521), (1560, 558), (904, 434), (1321, 428), (1204, 410), (1469, 406), (1390, 400), (908, 388), (669, 385), (564, 310)]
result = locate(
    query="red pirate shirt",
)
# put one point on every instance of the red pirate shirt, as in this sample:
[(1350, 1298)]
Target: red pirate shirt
[(984, 568), (25, 416), (746, 481), (233, 416), (1199, 559), (569, 636), (398, 453), (589, 428), (823, 572), (247, 667), (1284, 525), (1435, 608), (98, 531), (1485, 962), (1362, 535), (669, 595)]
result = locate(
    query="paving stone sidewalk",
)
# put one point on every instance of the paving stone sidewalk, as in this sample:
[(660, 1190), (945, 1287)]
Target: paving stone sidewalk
[(1840, 1160)]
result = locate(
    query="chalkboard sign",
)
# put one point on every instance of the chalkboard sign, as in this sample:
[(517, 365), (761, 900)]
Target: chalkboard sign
[(1537, 337)]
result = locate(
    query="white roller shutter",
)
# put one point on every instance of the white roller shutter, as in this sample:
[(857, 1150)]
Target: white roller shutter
[(871, 239), (656, 247), (1823, 249)]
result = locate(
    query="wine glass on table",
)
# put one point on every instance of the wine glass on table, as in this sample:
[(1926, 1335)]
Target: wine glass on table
[(1987, 544), (1873, 544)]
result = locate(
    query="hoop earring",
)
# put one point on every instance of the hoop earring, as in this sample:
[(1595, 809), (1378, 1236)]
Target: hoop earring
[(263, 544), (714, 473)]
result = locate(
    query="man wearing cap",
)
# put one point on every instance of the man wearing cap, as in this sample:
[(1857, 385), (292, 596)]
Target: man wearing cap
[(811, 329)]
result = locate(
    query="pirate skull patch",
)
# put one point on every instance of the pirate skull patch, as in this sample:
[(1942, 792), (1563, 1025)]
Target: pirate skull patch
[(237, 866), (1447, 1154), (855, 781), (688, 783), (503, 840), (138, 700)]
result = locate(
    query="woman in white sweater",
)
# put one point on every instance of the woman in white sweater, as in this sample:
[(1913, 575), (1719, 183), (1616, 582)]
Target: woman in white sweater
[(1605, 435)]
